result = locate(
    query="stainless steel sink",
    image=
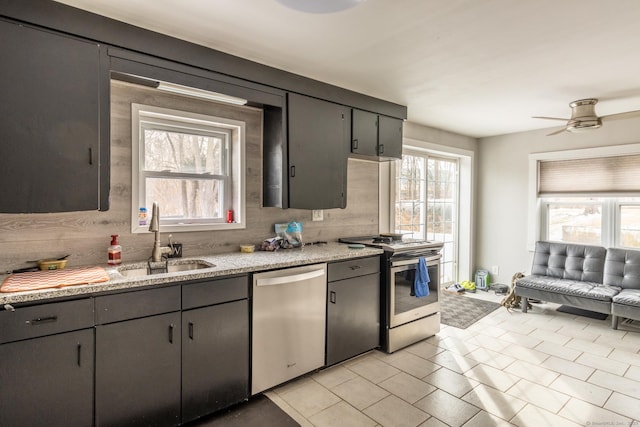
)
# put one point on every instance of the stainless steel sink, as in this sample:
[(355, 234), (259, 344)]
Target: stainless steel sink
[(187, 265)]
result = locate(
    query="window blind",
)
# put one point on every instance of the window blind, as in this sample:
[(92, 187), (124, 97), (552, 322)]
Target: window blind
[(597, 175)]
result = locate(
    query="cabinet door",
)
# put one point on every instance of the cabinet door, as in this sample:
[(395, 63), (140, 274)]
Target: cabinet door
[(138, 372), (53, 91), (389, 137), (353, 317), (215, 358), (318, 144), (364, 133), (48, 381)]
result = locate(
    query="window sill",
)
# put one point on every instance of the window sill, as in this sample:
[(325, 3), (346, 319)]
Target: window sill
[(185, 228)]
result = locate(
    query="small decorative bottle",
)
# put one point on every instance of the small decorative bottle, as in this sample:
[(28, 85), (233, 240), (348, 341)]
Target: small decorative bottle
[(115, 251), (142, 217)]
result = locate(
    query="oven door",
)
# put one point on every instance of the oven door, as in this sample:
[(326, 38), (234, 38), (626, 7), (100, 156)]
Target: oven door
[(404, 306)]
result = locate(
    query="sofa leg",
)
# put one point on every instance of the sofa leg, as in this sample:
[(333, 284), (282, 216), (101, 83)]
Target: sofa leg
[(614, 321), (525, 303)]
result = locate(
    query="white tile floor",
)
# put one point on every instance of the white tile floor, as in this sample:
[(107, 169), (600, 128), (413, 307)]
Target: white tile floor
[(543, 368)]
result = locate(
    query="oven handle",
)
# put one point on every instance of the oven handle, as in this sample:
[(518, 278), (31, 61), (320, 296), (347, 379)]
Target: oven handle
[(431, 260)]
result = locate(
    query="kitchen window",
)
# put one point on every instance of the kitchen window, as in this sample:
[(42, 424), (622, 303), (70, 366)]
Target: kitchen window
[(191, 164)]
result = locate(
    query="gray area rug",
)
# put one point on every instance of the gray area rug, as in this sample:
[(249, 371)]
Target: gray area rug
[(462, 311)]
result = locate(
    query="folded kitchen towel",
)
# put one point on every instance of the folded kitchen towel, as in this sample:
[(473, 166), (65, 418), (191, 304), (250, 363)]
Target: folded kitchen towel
[(46, 279), (421, 282)]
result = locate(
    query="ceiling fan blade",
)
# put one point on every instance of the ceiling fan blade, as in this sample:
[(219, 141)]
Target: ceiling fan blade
[(557, 132), (618, 116), (549, 118)]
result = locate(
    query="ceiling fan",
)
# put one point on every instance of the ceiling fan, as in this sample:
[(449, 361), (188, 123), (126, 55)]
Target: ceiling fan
[(583, 117)]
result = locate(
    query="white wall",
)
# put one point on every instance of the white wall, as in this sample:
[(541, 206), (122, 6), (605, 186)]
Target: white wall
[(502, 198)]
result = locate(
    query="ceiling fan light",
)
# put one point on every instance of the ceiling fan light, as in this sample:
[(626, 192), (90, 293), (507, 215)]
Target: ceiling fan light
[(320, 6), (575, 126)]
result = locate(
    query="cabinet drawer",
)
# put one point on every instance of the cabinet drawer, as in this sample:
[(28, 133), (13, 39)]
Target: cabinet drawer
[(131, 305), (211, 292), (45, 319), (352, 268)]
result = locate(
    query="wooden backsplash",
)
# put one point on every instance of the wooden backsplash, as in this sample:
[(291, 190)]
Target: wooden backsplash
[(86, 235)]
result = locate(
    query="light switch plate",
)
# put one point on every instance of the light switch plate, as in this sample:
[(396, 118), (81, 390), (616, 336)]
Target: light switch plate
[(317, 215)]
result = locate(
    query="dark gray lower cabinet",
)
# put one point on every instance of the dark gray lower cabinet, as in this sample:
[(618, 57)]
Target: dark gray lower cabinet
[(48, 381), (353, 308), (138, 372), (215, 358)]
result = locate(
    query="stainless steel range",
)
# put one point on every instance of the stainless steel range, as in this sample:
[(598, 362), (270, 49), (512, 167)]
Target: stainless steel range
[(406, 318)]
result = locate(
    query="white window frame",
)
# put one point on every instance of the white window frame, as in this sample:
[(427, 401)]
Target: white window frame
[(170, 119), (536, 229), (465, 240)]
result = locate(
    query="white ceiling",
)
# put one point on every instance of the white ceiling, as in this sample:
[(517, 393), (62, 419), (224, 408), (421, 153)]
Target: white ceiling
[(475, 67)]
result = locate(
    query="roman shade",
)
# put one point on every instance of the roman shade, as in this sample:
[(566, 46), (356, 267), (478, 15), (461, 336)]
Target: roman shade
[(597, 175)]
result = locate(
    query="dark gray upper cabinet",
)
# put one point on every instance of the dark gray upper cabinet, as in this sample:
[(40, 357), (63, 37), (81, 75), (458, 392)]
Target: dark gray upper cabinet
[(375, 136), (318, 135), (54, 122), (306, 155)]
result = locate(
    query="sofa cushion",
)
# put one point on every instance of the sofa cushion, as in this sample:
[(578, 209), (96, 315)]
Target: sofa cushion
[(578, 288), (569, 261), (628, 297), (622, 268)]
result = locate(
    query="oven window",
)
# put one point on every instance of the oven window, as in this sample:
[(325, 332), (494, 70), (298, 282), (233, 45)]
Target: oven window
[(405, 299)]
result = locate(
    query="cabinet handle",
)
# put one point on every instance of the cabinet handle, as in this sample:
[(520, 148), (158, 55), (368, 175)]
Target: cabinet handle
[(90, 155), (79, 354), (354, 144), (40, 320), (191, 330), (293, 171), (380, 149), (171, 333), (355, 267), (332, 297)]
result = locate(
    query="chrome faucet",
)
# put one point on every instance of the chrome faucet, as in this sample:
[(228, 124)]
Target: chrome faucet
[(154, 226)]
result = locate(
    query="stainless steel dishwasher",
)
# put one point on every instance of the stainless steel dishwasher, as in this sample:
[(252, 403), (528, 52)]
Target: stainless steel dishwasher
[(288, 326)]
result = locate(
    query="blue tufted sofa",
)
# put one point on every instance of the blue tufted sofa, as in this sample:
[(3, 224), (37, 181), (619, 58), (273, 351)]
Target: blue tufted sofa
[(588, 277)]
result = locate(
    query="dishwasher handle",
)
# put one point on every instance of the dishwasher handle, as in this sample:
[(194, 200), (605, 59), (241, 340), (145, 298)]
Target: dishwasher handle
[(281, 280)]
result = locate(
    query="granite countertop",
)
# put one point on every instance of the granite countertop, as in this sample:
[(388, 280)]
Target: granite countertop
[(223, 265)]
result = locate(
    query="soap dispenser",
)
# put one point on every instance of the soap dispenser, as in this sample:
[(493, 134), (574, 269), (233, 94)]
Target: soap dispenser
[(114, 251)]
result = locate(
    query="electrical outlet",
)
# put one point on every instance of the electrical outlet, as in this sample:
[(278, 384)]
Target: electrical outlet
[(495, 270), (317, 215)]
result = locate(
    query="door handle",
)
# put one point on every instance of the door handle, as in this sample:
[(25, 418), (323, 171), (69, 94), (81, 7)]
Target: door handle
[(280, 280), (380, 149), (332, 297), (293, 171), (354, 144), (171, 327), (79, 349), (190, 330)]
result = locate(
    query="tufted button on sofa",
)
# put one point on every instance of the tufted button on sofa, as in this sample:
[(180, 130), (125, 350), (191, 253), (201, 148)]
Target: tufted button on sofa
[(588, 277)]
